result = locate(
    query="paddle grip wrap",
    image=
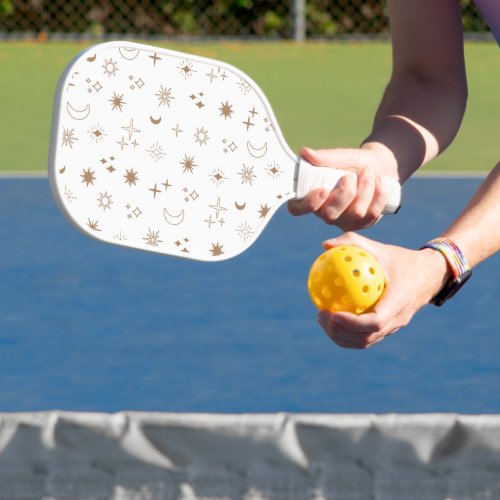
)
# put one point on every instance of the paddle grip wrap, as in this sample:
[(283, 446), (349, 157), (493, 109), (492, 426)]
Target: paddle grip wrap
[(309, 177)]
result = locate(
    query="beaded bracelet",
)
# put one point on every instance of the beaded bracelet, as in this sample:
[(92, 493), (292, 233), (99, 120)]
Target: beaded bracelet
[(459, 267)]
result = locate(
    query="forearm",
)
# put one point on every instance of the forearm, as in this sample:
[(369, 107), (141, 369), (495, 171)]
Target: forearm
[(477, 230), (424, 102), (416, 121)]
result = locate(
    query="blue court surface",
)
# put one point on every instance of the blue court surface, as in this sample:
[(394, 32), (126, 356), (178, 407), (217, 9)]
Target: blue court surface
[(86, 326)]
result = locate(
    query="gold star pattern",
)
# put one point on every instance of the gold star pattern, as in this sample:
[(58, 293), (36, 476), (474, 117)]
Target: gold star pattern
[(88, 177), (110, 67), (104, 201), (201, 136), (264, 210), (188, 164), (131, 177), (164, 96), (217, 176), (68, 137), (152, 238), (185, 69), (247, 175), (273, 170), (216, 249), (96, 133), (226, 110), (93, 224), (117, 102)]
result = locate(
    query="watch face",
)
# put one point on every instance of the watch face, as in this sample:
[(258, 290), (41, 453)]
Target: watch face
[(451, 288)]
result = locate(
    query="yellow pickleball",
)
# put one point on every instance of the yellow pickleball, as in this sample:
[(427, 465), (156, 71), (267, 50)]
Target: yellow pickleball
[(346, 278)]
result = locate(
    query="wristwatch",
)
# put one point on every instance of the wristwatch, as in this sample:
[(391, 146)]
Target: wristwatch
[(459, 267)]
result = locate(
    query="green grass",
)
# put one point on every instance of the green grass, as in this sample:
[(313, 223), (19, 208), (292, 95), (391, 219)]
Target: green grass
[(323, 94)]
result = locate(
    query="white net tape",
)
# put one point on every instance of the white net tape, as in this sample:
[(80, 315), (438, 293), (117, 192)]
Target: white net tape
[(160, 456)]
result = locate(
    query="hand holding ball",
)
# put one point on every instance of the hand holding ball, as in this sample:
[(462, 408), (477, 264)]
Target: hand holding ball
[(346, 278)]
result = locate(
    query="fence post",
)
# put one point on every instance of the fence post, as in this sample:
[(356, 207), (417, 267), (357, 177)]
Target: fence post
[(299, 20)]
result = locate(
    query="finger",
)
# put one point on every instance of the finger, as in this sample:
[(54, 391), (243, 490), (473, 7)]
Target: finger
[(310, 203), (340, 335), (339, 199)]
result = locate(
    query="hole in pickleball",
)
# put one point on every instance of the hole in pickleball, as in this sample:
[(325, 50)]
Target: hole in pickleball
[(372, 270), (327, 293), (363, 254), (317, 276), (366, 289), (339, 281), (356, 273), (348, 258)]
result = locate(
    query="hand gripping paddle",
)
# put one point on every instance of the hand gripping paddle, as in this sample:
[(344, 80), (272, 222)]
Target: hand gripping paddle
[(172, 153)]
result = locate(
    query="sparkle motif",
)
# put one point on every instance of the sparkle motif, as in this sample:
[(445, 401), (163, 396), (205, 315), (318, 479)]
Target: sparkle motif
[(156, 152), (96, 133), (188, 164), (131, 177), (104, 201), (217, 176), (273, 170), (244, 86), (247, 175), (68, 137), (185, 69), (201, 136), (164, 96), (110, 67), (88, 177), (264, 210), (226, 110), (117, 102), (244, 231), (216, 249), (152, 238)]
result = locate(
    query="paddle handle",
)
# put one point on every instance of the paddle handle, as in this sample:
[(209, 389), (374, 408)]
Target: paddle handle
[(309, 177)]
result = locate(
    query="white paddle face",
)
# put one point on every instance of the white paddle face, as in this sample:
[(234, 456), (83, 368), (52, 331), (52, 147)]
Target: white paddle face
[(166, 152)]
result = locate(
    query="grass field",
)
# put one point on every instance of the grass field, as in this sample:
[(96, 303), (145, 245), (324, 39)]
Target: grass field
[(324, 95)]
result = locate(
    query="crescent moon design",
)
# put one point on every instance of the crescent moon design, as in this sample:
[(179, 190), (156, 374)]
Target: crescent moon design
[(128, 53), (240, 207), (155, 121), (62, 170), (78, 114), (92, 58), (173, 220), (257, 152)]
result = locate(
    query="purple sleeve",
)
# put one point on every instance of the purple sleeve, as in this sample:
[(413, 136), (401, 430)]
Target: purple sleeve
[(490, 9)]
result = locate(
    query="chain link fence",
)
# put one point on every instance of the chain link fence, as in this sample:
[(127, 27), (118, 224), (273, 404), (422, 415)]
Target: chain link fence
[(284, 19)]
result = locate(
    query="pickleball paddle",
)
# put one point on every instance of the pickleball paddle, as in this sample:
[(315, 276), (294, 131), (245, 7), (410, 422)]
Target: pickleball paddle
[(172, 153)]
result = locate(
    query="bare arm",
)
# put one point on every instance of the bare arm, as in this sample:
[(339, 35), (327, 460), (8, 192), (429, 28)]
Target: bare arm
[(424, 102), (419, 114)]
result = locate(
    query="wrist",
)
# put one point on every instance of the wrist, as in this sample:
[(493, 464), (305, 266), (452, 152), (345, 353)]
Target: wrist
[(437, 273), (388, 165)]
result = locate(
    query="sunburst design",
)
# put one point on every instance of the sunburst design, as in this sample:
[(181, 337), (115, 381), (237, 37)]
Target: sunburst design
[(156, 152), (216, 249), (68, 137), (110, 67), (226, 110), (93, 224), (188, 164), (217, 176), (244, 86), (186, 69), (164, 96), (69, 195), (131, 177), (88, 177), (96, 133), (273, 170), (120, 236), (117, 102), (247, 175), (104, 201), (244, 231), (201, 136), (264, 210), (152, 238)]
